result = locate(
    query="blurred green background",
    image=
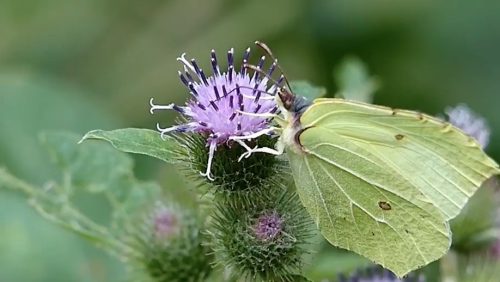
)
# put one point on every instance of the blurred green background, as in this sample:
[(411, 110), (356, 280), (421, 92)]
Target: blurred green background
[(79, 65)]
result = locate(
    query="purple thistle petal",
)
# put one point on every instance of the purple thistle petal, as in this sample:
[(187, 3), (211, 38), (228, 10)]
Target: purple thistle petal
[(268, 226), (472, 124), (379, 274), (165, 223)]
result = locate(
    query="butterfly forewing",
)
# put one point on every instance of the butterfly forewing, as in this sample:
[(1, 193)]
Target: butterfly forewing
[(429, 155)]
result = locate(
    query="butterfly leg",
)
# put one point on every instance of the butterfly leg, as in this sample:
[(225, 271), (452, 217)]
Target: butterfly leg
[(244, 145)]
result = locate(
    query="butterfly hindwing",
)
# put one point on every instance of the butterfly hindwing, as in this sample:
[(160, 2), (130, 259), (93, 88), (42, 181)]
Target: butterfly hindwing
[(353, 212)]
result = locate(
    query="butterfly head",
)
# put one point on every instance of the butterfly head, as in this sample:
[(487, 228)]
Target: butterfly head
[(292, 103), (285, 99)]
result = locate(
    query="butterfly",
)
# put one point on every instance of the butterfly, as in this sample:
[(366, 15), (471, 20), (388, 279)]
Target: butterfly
[(378, 181)]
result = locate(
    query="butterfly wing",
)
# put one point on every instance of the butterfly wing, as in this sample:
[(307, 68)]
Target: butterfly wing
[(384, 182)]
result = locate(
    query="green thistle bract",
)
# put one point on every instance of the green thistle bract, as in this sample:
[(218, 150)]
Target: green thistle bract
[(232, 175), (262, 236)]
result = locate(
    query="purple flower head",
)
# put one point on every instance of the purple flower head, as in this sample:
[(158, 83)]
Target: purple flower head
[(165, 223), (475, 126), (379, 274), (230, 105), (268, 226)]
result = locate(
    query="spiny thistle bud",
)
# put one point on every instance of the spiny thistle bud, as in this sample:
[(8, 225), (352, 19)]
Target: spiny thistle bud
[(169, 243), (378, 274), (472, 124), (227, 115), (262, 236)]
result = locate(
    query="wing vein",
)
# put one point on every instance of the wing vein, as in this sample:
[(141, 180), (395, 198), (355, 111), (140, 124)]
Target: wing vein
[(361, 178), (322, 200), (372, 216), (438, 156)]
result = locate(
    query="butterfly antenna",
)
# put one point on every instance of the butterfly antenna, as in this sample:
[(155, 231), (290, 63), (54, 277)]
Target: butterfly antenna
[(245, 87), (260, 71), (267, 50)]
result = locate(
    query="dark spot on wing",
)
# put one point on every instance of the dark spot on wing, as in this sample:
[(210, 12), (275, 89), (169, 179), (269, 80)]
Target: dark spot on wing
[(384, 205), (399, 136), (373, 234)]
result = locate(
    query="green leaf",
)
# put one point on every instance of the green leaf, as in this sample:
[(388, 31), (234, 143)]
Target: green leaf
[(53, 204), (354, 81), (90, 171), (307, 90), (138, 141), (93, 167)]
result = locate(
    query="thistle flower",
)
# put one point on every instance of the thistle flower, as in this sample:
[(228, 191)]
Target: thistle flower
[(378, 274), (229, 106), (472, 124)]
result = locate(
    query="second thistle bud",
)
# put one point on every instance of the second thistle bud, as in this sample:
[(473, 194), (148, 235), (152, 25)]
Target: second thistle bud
[(170, 246)]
